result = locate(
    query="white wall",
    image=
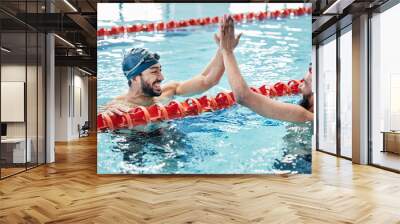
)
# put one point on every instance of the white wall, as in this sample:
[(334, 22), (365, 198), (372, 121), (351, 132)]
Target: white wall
[(79, 117), (17, 73), (61, 103), (70, 84), (33, 126), (12, 73)]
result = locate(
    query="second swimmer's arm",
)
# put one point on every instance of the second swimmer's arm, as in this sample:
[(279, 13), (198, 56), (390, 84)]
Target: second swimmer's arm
[(260, 104)]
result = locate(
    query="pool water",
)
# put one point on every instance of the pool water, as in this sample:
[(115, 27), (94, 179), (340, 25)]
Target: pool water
[(234, 140)]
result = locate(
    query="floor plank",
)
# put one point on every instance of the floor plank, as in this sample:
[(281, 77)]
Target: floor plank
[(70, 191)]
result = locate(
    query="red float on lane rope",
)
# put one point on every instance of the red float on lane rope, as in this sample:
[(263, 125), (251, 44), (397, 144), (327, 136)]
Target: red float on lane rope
[(190, 107), (241, 17)]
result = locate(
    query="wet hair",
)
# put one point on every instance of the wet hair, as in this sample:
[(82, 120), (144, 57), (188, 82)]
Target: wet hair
[(305, 103)]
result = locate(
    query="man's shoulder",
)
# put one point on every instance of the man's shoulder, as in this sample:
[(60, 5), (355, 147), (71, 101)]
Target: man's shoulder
[(119, 98)]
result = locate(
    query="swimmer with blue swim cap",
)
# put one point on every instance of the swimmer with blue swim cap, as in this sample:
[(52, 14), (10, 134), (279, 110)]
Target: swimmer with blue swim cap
[(139, 60), (142, 70)]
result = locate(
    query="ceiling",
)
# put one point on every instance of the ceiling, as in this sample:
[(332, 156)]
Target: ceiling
[(331, 15), (75, 43)]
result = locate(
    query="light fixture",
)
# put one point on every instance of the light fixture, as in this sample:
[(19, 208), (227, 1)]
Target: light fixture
[(70, 5), (64, 40), (80, 51), (5, 49), (84, 71)]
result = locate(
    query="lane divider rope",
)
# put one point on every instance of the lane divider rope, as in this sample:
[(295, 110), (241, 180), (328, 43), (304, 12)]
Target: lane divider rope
[(171, 25), (141, 115)]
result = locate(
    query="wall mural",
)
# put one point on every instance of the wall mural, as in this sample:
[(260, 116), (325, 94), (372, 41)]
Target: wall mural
[(204, 88)]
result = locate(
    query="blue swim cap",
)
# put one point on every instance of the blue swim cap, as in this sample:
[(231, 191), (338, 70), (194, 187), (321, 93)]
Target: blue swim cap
[(137, 60)]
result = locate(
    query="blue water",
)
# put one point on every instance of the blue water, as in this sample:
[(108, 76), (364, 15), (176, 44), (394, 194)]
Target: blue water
[(234, 140)]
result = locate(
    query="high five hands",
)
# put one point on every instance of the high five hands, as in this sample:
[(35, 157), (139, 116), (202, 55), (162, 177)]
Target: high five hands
[(226, 39)]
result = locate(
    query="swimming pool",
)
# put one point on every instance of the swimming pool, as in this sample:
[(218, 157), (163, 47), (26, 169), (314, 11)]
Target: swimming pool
[(234, 140)]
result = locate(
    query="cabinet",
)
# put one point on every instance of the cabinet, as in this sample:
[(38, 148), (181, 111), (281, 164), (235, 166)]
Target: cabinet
[(391, 141)]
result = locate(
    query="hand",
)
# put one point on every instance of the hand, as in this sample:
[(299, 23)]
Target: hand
[(217, 39), (116, 109), (228, 41)]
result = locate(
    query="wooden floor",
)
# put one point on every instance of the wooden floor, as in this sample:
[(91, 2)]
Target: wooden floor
[(70, 191), (10, 171)]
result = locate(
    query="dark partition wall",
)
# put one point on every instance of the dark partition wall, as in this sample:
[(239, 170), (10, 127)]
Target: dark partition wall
[(22, 88)]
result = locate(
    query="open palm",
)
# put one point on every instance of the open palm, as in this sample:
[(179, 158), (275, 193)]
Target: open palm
[(225, 38)]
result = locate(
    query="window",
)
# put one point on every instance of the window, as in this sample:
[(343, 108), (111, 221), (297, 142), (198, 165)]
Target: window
[(327, 96), (346, 93), (385, 89)]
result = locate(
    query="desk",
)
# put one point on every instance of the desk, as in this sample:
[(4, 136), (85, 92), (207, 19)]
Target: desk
[(15, 148), (391, 141)]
